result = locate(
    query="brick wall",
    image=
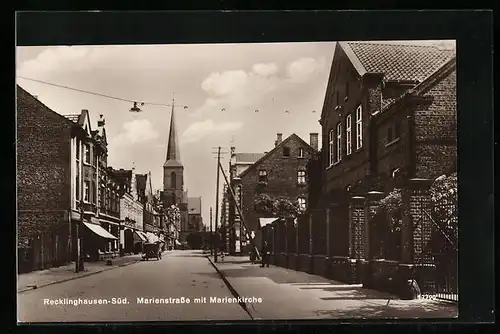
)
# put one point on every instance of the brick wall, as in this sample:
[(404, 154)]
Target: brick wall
[(366, 94), (436, 130), (43, 181), (282, 175)]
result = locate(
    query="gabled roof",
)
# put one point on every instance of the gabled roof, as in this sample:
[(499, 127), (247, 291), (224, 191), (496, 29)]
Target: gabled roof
[(248, 157), (22, 91), (194, 205), (82, 119), (277, 147), (427, 83), (398, 62)]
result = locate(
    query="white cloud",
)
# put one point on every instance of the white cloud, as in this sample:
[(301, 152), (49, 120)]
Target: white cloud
[(265, 69), (224, 83), (199, 130), (136, 131), (73, 58), (303, 69)]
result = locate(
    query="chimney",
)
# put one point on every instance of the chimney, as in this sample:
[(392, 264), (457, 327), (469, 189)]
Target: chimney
[(313, 140), (101, 121), (279, 139)]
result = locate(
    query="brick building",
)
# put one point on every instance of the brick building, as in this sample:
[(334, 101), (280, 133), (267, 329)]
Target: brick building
[(230, 217), (280, 172), (44, 197), (92, 190), (388, 120)]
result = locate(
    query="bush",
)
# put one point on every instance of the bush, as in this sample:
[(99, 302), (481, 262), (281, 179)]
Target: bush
[(444, 197), (282, 207)]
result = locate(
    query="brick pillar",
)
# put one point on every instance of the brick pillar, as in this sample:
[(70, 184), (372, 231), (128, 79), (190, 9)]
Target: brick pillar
[(356, 227), (416, 229)]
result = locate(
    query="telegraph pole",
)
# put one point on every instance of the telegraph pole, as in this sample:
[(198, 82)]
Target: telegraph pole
[(211, 234), (79, 263), (217, 207)]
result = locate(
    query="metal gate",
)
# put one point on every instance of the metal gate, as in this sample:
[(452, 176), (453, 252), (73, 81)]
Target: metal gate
[(438, 257)]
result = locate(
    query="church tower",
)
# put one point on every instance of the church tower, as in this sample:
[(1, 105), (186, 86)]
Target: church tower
[(173, 170)]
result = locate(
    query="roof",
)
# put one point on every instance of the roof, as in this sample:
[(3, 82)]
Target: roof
[(194, 205), (22, 91), (173, 153), (426, 84), (248, 157), (268, 154), (398, 62)]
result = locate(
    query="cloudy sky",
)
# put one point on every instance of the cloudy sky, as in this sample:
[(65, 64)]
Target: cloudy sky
[(239, 78)]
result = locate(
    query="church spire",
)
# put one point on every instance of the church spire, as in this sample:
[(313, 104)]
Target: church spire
[(173, 153)]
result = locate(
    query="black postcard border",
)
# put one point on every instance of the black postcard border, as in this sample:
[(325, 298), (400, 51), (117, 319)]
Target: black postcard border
[(473, 31)]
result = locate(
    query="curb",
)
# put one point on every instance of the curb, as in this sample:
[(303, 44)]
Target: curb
[(76, 277), (231, 288)]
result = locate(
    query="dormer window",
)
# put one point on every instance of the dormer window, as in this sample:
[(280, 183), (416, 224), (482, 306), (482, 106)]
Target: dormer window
[(286, 151)]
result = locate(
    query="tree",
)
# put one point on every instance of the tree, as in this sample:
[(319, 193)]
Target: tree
[(444, 197), (282, 207)]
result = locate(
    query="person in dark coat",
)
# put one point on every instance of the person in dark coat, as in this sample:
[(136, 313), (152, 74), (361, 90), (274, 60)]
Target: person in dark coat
[(265, 254)]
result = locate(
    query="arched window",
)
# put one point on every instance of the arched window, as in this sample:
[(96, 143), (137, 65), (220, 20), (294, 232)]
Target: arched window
[(173, 180)]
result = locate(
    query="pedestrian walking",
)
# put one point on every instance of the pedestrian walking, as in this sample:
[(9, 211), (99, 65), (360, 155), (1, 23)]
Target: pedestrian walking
[(265, 254)]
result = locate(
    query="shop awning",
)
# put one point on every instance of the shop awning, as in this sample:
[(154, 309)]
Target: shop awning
[(152, 238), (265, 221), (140, 235), (177, 242), (97, 229)]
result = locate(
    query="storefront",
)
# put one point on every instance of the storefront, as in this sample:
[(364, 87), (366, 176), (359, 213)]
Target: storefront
[(96, 240)]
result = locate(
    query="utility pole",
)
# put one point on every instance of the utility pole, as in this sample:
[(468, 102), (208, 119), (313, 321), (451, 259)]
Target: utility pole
[(217, 207), (211, 234), (79, 263)]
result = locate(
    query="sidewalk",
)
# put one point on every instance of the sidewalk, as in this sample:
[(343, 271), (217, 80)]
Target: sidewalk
[(46, 277), (290, 294)]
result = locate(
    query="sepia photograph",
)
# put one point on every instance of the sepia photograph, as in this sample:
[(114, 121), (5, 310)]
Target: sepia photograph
[(241, 181)]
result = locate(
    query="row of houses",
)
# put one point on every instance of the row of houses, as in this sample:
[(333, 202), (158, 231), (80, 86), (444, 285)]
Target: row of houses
[(366, 199), (66, 191)]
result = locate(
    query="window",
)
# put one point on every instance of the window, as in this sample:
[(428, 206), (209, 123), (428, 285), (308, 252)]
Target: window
[(301, 177), (359, 128), (173, 180), (339, 142), (302, 203), (301, 152), (77, 149), (94, 192), (77, 180), (87, 153), (262, 176), (86, 191), (286, 151), (330, 148), (348, 134)]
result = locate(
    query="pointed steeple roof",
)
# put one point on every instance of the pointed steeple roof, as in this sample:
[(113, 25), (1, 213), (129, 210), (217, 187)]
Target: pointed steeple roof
[(173, 153)]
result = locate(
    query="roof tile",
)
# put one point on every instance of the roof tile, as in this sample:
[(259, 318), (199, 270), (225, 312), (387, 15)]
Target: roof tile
[(401, 61)]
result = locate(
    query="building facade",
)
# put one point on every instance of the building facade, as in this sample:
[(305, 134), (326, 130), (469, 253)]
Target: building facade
[(282, 172), (388, 121), (44, 179)]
